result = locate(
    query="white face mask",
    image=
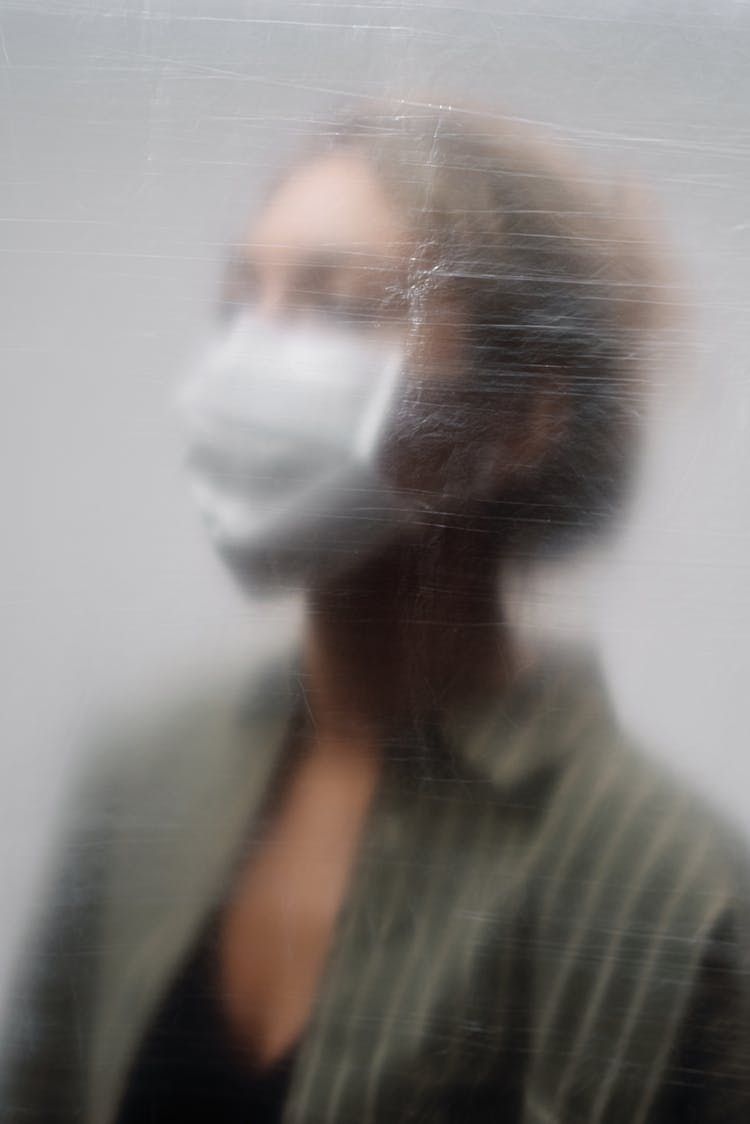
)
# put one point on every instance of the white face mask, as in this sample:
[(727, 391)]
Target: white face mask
[(285, 425)]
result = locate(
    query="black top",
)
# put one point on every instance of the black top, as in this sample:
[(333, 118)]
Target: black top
[(189, 1070)]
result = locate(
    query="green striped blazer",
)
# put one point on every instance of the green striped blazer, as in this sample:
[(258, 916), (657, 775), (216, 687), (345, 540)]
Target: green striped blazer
[(542, 927)]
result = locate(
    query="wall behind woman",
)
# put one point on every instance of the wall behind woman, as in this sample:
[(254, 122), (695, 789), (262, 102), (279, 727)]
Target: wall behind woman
[(134, 138)]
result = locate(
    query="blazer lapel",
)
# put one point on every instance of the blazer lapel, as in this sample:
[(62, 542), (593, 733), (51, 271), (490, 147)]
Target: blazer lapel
[(174, 848)]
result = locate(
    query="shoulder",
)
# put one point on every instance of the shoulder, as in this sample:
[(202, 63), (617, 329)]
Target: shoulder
[(610, 818), (145, 812), (640, 895), (153, 757), (624, 821), (609, 828)]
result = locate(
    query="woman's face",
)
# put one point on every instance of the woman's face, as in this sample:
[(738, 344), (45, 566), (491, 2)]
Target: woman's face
[(331, 246), (322, 427)]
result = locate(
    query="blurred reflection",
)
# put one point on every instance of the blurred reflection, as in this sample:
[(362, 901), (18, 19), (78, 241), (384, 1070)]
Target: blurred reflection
[(416, 872)]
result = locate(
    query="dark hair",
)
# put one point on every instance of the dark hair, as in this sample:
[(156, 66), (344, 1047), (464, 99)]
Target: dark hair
[(556, 285)]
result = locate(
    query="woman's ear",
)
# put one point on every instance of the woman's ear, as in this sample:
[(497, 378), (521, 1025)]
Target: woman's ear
[(541, 428)]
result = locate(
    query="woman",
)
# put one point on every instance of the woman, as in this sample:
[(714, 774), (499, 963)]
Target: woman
[(415, 873)]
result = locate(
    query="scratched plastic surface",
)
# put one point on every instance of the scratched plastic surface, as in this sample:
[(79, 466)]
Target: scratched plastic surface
[(439, 310)]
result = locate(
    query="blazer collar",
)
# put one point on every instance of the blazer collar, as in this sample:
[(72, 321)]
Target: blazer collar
[(550, 708)]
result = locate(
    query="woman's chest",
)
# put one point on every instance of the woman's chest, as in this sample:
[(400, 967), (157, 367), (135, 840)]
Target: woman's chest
[(277, 928), (398, 973)]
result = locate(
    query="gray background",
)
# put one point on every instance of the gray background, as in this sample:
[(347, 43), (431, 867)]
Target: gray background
[(133, 139)]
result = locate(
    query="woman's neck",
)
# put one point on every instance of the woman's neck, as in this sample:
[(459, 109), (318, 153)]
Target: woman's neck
[(410, 633)]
